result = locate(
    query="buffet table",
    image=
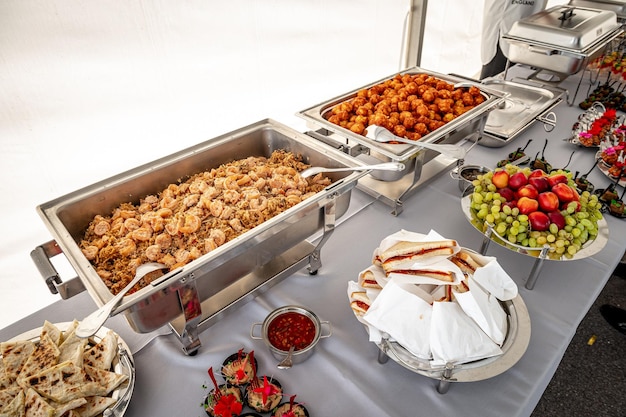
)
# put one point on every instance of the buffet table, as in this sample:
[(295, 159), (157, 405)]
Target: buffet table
[(343, 376)]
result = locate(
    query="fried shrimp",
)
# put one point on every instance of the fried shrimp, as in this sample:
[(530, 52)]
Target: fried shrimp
[(195, 216)]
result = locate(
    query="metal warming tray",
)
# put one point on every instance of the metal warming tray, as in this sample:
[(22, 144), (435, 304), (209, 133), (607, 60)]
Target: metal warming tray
[(421, 164), (617, 6), (523, 105), (562, 39), (235, 271)]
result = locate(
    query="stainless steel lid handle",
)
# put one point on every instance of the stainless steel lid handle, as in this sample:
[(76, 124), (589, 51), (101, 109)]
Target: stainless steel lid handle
[(41, 256)]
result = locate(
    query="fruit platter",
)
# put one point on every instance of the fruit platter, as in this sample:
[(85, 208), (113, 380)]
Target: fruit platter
[(535, 213)]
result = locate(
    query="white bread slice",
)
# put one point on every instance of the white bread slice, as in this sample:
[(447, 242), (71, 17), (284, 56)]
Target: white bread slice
[(360, 302), (404, 249), (446, 276)]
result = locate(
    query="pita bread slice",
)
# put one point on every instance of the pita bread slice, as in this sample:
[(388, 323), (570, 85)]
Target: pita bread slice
[(95, 405), (109, 380), (36, 406), (45, 355), (5, 380), (69, 330), (14, 355), (72, 349), (8, 394), (64, 382), (101, 355), (52, 331), (15, 408), (62, 408)]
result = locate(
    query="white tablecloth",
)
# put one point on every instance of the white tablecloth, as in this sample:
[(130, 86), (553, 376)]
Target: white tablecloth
[(343, 377)]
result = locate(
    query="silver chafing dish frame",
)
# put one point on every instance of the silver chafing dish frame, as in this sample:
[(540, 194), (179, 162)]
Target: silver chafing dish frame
[(422, 165), (193, 297), (562, 57)]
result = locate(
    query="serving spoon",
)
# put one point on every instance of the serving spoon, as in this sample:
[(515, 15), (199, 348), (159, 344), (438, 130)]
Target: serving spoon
[(287, 362), (380, 134), (385, 166), (93, 322)]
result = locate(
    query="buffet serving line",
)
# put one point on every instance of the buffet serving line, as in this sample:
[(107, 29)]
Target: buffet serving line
[(346, 374)]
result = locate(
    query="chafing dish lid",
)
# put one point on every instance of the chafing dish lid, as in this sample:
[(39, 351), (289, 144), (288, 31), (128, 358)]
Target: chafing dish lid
[(617, 6), (567, 27)]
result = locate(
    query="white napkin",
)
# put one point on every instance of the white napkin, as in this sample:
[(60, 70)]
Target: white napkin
[(494, 279), (485, 310), (404, 315), (456, 338)]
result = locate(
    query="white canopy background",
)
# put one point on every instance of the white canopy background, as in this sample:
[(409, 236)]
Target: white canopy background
[(91, 89)]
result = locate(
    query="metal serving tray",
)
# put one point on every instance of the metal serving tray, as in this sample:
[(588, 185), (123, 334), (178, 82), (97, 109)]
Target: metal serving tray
[(208, 286), (524, 104), (394, 189), (561, 39)]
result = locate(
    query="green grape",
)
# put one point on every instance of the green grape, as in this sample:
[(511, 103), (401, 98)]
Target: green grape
[(477, 197), (495, 209), (570, 221), (532, 242), (515, 211), (554, 229), (509, 219), (489, 218), (506, 210), (492, 187), (541, 240), (560, 243), (501, 228), (513, 231), (482, 213), (488, 196), (512, 238), (572, 250), (550, 238)]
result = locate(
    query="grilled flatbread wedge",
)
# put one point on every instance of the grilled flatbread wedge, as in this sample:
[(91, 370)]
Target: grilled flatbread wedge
[(64, 382), (101, 355), (36, 406), (14, 355), (73, 349), (94, 406), (45, 355), (14, 408), (52, 331), (108, 380), (62, 408)]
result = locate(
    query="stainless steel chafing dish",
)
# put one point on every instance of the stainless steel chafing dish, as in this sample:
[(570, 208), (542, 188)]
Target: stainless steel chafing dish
[(617, 6), (524, 104), (190, 298), (562, 39), (421, 164)]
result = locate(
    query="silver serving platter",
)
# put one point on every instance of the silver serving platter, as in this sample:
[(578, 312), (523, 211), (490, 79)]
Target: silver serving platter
[(514, 346), (590, 248), (123, 363)]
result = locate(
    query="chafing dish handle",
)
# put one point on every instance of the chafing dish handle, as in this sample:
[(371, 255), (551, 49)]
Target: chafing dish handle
[(41, 256)]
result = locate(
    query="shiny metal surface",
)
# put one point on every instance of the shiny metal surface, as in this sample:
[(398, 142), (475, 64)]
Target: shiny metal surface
[(565, 27), (561, 39), (298, 355), (523, 105), (212, 278), (590, 248), (617, 6), (452, 132)]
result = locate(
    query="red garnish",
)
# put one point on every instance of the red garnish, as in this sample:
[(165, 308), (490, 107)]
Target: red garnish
[(217, 393), (290, 413), (227, 406), (241, 373), (266, 389)]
